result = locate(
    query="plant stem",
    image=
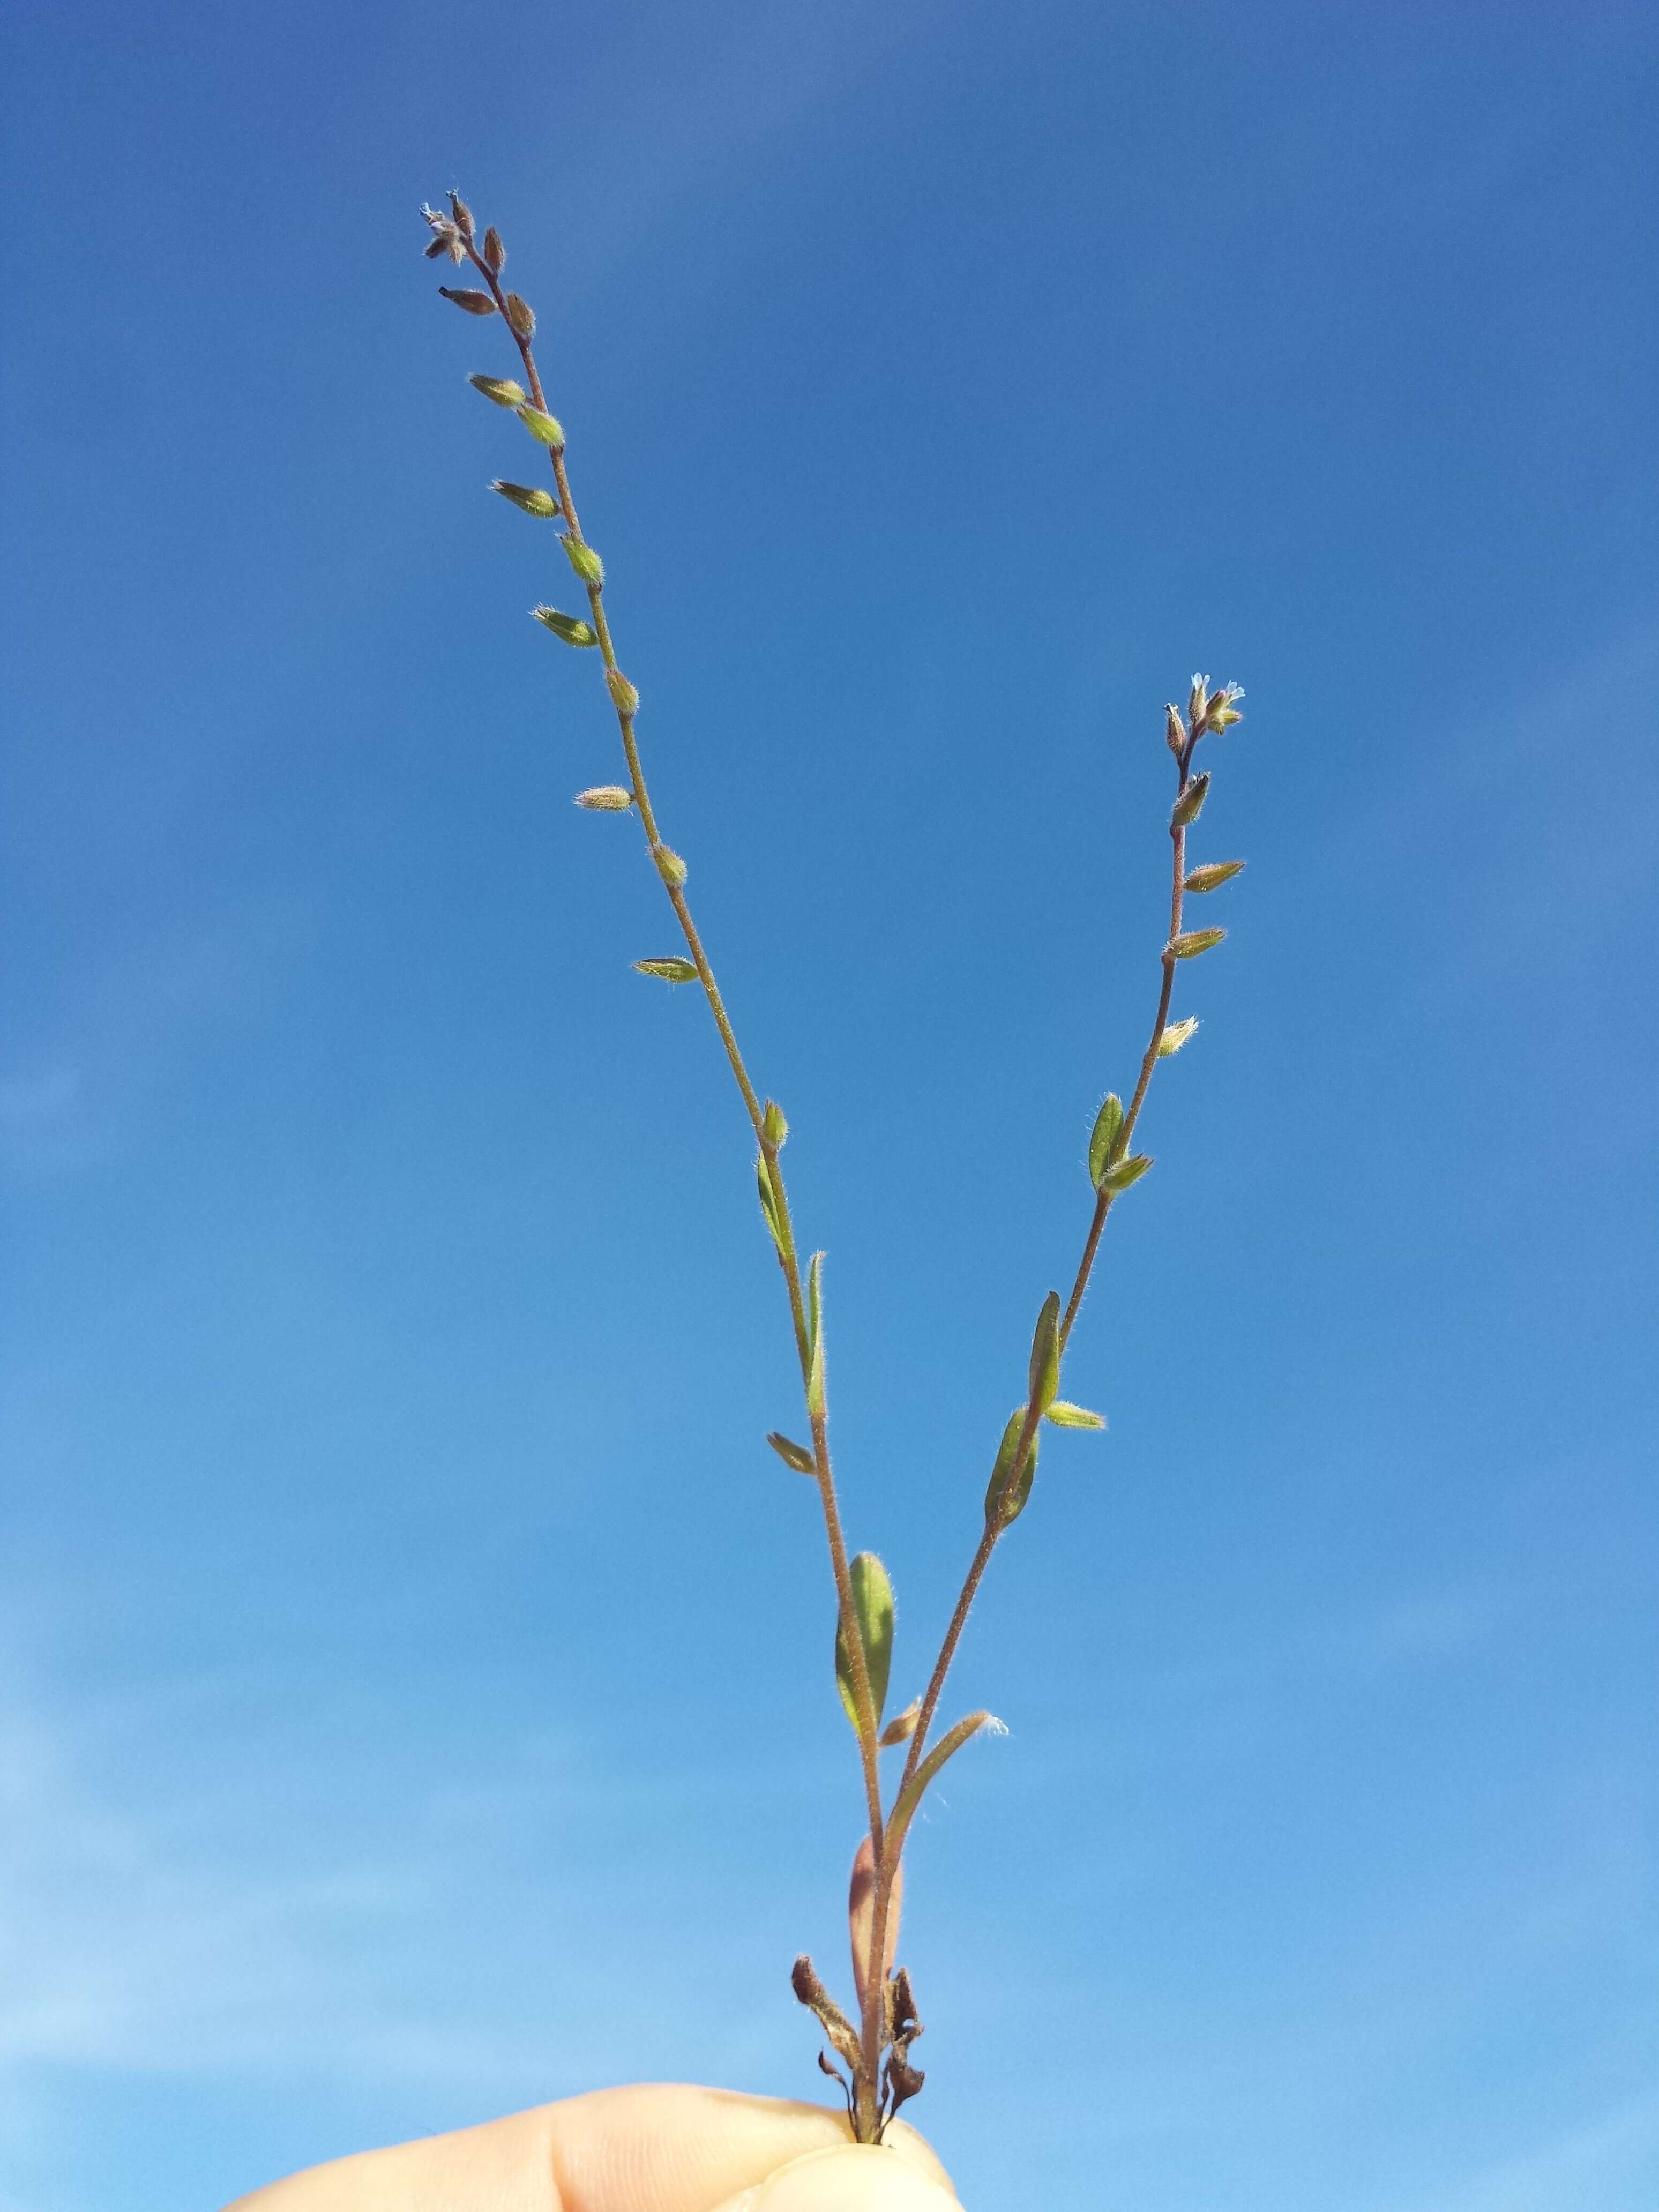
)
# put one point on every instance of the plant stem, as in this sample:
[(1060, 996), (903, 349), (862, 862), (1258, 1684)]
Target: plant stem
[(823, 1470)]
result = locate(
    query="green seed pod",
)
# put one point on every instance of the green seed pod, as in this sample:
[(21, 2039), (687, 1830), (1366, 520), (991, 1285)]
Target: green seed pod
[(520, 317), (501, 389), (584, 560), (1103, 1142), (494, 253), (623, 697), (1190, 804), (606, 798), (1045, 1354), (570, 628), (1192, 942), (1002, 1504), (529, 499), (793, 1454), (1124, 1172), (1063, 1415), (873, 1617), (670, 971), (669, 867), (1211, 876), (472, 303), (1175, 1037), (543, 426), (774, 1128)]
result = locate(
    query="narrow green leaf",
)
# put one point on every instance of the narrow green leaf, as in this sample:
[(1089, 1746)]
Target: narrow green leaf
[(1002, 1504), (1125, 1172), (584, 560), (815, 1398), (769, 1201), (793, 1454), (1211, 876), (1175, 1037), (671, 971), (1065, 1415), (1102, 1145), (872, 1614), (1192, 942), (1190, 804), (1045, 1354), (946, 1748), (570, 628)]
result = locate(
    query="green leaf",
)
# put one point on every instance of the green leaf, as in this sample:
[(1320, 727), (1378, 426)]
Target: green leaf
[(1125, 1172), (1192, 942), (872, 1613), (671, 971), (927, 1773), (570, 628), (1045, 1354), (1063, 1415), (543, 426), (1002, 1505), (1175, 1037), (1104, 1142), (815, 1398), (1190, 804), (584, 560), (1211, 876), (771, 1213), (793, 1454)]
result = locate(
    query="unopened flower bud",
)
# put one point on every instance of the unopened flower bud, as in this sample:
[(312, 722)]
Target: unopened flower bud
[(501, 389), (1175, 1037), (623, 697), (1197, 699), (583, 559), (529, 499), (472, 303), (669, 867), (774, 1127), (521, 317), (462, 213), (1174, 730), (543, 426), (606, 798)]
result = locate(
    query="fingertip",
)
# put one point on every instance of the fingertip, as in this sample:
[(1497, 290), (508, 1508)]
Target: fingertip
[(856, 2178)]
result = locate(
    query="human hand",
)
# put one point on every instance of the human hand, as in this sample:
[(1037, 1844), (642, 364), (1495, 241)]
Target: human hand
[(649, 2149)]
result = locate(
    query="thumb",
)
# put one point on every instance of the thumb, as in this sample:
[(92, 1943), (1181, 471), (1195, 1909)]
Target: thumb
[(856, 2178)]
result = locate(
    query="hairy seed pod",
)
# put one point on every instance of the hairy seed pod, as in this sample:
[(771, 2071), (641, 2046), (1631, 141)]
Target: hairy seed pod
[(542, 425), (462, 213), (494, 253), (472, 303), (529, 499), (668, 972), (570, 628), (1190, 804), (623, 697), (521, 317), (501, 389), (1175, 1037), (669, 867), (604, 798), (584, 560), (1192, 942)]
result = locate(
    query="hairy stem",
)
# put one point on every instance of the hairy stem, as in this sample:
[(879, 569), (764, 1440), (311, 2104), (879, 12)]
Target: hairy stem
[(788, 1259)]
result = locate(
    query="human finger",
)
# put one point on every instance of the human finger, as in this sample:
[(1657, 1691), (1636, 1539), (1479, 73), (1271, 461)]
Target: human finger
[(854, 2178)]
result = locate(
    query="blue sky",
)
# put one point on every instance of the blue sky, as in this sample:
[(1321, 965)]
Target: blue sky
[(414, 1684)]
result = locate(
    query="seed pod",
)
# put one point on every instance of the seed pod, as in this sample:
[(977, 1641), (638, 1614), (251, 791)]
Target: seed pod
[(774, 1127), (1188, 807), (521, 318), (584, 560), (529, 499), (1125, 1172), (474, 303), (604, 798), (872, 1618), (462, 213), (623, 697), (503, 390), (1192, 942), (494, 253), (1197, 699), (1045, 1354), (1103, 1143), (793, 1454), (1174, 730), (1211, 876), (1065, 1415), (669, 867), (1175, 1037), (670, 971), (543, 425), (570, 628)]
